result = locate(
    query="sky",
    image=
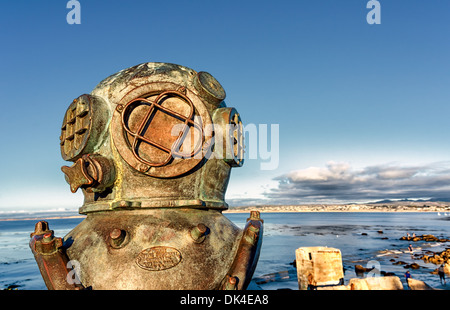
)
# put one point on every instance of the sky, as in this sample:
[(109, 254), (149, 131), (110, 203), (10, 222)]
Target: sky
[(358, 112)]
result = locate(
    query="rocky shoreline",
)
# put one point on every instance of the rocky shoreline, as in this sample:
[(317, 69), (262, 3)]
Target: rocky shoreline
[(429, 256)]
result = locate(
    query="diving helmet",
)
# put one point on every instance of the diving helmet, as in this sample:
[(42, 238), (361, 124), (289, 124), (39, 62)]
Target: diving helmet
[(152, 148)]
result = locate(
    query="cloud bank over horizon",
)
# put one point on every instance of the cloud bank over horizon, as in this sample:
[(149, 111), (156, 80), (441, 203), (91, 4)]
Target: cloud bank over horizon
[(340, 183), (333, 183)]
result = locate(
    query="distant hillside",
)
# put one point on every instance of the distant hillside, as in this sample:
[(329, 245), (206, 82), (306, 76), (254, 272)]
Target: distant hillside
[(409, 200), (414, 203)]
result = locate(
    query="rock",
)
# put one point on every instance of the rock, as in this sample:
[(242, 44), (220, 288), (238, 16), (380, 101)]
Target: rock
[(414, 284), (412, 266), (427, 238), (376, 283), (399, 263), (12, 287), (447, 268), (358, 284), (361, 269), (334, 288), (380, 231), (364, 234), (387, 274), (436, 260)]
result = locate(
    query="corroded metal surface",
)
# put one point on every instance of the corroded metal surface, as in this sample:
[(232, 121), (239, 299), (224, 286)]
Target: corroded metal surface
[(152, 148), (51, 259)]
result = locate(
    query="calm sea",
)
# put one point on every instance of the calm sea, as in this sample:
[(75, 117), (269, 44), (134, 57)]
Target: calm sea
[(355, 234)]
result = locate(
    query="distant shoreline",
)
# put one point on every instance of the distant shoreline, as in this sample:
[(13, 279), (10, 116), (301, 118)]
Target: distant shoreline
[(42, 218), (435, 207), (431, 207)]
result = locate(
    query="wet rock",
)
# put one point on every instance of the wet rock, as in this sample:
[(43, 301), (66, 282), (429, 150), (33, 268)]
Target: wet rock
[(436, 258), (399, 263), (429, 238), (360, 269), (412, 266), (293, 263), (426, 237)]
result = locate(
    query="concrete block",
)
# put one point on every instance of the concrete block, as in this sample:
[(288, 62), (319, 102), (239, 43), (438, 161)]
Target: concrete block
[(318, 266)]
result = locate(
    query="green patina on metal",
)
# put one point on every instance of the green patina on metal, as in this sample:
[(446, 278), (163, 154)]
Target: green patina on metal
[(152, 148)]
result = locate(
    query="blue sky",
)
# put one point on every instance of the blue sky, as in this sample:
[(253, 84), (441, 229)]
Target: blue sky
[(353, 101)]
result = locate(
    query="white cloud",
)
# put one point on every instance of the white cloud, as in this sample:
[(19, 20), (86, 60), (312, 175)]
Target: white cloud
[(339, 182), (333, 171)]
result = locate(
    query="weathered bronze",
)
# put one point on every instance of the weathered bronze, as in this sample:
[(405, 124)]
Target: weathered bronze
[(152, 147)]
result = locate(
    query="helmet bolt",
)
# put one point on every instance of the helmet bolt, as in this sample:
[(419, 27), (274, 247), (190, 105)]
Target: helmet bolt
[(117, 237), (199, 232)]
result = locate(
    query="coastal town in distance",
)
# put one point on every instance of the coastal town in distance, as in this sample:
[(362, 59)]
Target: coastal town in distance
[(442, 207)]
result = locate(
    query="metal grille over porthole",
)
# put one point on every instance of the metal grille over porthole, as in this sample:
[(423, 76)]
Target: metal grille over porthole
[(140, 135), (83, 125), (76, 128), (162, 131)]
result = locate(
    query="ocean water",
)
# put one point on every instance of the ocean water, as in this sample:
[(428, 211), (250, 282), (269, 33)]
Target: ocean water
[(355, 234)]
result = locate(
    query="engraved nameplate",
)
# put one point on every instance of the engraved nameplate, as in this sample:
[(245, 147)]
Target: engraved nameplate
[(158, 258)]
